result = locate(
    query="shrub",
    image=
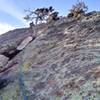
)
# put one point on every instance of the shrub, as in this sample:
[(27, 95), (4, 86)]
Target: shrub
[(78, 9)]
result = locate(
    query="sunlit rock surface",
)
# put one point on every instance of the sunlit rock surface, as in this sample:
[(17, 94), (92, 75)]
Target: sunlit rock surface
[(61, 63)]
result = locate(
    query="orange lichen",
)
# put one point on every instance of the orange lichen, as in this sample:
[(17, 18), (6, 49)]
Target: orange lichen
[(60, 93)]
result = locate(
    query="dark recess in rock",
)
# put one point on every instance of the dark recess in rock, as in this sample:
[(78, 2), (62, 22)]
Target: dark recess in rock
[(3, 83), (12, 54)]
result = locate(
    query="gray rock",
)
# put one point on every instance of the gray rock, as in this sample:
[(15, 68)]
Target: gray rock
[(3, 61), (63, 63), (24, 43)]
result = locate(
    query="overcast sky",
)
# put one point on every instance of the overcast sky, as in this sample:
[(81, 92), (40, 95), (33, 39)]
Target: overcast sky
[(12, 11)]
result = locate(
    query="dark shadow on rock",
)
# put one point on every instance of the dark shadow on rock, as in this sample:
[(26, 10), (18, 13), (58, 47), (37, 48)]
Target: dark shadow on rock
[(3, 82), (12, 54)]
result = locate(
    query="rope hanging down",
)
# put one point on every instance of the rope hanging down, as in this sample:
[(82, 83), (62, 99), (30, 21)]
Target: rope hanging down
[(21, 84)]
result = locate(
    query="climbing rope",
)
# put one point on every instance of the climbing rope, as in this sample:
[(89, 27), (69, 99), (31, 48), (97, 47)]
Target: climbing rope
[(21, 83), (21, 75)]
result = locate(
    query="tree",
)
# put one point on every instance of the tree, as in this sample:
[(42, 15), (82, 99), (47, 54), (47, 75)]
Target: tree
[(38, 15)]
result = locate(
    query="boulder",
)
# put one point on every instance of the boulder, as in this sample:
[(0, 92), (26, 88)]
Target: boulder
[(25, 42)]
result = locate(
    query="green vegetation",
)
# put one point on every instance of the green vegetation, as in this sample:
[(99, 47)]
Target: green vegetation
[(78, 10), (41, 14)]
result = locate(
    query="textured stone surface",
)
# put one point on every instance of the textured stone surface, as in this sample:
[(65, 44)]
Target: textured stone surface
[(62, 63), (3, 61), (24, 43)]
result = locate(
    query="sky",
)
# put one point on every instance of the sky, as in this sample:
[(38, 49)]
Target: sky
[(12, 11)]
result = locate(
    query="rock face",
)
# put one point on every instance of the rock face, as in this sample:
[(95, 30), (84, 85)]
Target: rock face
[(25, 42), (3, 61), (61, 63)]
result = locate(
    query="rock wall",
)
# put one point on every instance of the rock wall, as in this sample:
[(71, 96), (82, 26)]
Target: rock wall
[(61, 63)]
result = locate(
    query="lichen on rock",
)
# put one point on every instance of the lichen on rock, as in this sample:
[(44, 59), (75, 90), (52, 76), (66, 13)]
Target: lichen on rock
[(61, 64)]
